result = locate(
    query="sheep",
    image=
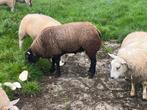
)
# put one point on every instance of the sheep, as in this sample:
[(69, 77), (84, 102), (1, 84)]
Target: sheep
[(5, 103), (33, 24), (131, 61), (74, 37), (11, 3)]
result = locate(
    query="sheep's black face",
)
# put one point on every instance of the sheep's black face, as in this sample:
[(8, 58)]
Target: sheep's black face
[(30, 57)]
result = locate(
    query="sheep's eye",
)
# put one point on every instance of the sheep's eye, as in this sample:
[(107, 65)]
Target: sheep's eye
[(117, 68)]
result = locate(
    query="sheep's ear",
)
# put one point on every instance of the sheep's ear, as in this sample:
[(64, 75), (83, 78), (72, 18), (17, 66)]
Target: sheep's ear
[(14, 102), (123, 62), (112, 55), (15, 108)]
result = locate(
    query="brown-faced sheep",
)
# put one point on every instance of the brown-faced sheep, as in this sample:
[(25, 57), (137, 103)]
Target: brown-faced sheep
[(68, 38), (131, 61), (33, 24)]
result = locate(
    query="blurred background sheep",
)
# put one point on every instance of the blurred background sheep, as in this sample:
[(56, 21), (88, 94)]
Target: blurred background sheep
[(11, 3)]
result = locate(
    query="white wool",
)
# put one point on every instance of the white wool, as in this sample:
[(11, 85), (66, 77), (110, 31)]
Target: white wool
[(5, 102), (134, 51), (33, 24)]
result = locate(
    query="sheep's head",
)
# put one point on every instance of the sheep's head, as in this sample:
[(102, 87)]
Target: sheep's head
[(118, 67), (31, 58), (11, 106), (29, 2)]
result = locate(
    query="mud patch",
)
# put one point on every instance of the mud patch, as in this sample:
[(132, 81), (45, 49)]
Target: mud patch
[(74, 91)]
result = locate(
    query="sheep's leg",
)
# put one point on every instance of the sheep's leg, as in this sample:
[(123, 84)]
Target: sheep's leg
[(20, 43), (92, 67), (57, 62), (12, 9), (22, 35), (52, 66), (144, 94), (132, 92), (11, 5), (62, 61)]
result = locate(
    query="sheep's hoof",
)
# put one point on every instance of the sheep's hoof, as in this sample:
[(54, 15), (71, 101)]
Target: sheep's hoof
[(132, 94), (144, 97), (90, 76), (57, 75)]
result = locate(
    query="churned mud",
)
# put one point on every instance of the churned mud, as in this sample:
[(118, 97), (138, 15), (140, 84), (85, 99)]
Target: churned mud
[(74, 91)]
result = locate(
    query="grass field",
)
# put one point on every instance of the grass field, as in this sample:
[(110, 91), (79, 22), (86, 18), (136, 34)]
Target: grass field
[(115, 19)]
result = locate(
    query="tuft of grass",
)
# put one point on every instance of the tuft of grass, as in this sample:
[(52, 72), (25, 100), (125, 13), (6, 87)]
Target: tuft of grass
[(103, 52), (107, 49), (30, 88)]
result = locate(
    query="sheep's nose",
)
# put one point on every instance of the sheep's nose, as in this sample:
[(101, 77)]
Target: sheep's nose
[(112, 77)]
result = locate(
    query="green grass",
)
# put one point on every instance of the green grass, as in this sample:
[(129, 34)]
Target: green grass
[(115, 19)]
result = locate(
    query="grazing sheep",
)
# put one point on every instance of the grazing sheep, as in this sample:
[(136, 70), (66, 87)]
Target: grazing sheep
[(10, 3), (68, 38), (131, 61), (33, 24), (5, 103)]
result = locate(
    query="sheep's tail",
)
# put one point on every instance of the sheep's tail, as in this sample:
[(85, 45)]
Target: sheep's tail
[(100, 36), (99, 32)]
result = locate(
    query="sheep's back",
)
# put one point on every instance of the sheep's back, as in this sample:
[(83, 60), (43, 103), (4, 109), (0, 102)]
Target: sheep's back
[(134, 52), (33, 24), (133, 38), (68, 38), (72, 36)]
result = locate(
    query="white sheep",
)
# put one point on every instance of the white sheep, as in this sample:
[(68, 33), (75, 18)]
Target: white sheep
[(5, 103), (11, 3), (32, 24), (131, 61)]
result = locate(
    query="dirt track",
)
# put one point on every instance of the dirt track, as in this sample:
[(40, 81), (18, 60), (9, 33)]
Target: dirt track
[(74, 91)]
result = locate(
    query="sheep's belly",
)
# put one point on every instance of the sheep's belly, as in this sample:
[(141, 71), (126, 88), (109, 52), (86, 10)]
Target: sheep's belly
[(69, 46), (73, 50)]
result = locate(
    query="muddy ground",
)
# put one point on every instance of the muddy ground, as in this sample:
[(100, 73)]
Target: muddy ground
[(74, 91)]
